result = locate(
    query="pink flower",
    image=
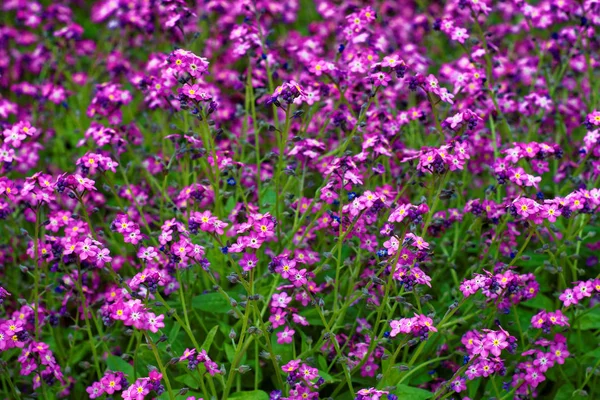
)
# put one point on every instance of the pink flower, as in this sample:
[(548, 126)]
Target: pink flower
[(559, 352), (133, 237), (474, 371), (187, 353), (308, 373), (190, 91), (593, 118), (318, 67), (369, 369), (248, 261), (82, 183), (468, 288), (147, 253), (300, 320), (495, 342), (534, 376), (525, 207), (254, 241), (111, 383), (543, 361), (299, 278), (458, 385), (96, 390), (396, 329), (517, 175), (380, 78), (102, 257), (286, 336), (550, 212), (286, 268), (280, 300), (459, 34), (558, 318), (278, 319), (538, 320), (154, 322), (291, 366), (86, 249), (138, 390), (583, 289), (426, 322), (372, 394), (391, 61), (14, 137), (391, 245), (568, 298)]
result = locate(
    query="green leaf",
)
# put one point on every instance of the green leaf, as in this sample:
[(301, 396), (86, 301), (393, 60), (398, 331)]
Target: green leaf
[(229, 352), (174, 339), (591, 320), (328, 378), (267, 199), (286, 351), (570, 369), (312, 316), (211, 302), (566, 393), (188, 381), (392, 376), (230, 204), (175, 328), (540, 302), (304, 342), (115, 364), (406, 392), (209, 338), (250, 395), (594, 355), (322, 362)]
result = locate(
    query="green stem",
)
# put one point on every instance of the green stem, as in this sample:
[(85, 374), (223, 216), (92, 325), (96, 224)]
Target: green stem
[(160, 365)]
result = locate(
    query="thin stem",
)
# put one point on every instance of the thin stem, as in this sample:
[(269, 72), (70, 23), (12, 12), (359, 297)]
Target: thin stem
[(160, 365)]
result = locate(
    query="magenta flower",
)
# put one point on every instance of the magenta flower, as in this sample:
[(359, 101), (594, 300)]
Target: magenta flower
[(426, 322), (459, 384), (559, 352), (111, 383), (568, 298), (187, 353), (278, 319), (147, 253), (138, 390), (299, 278), (543, 361), (96, 390), (291, 366), (583, 289), (286, 268), (495, 342), (533, 376), (474, 371), (86, 249), (286, 336), (154, 322), (308, 373), (133, 237), (280, 300), (468, 288), (369, 369), (102, 257)]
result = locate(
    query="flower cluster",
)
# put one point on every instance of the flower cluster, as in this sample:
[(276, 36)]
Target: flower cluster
[(299, 200)]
